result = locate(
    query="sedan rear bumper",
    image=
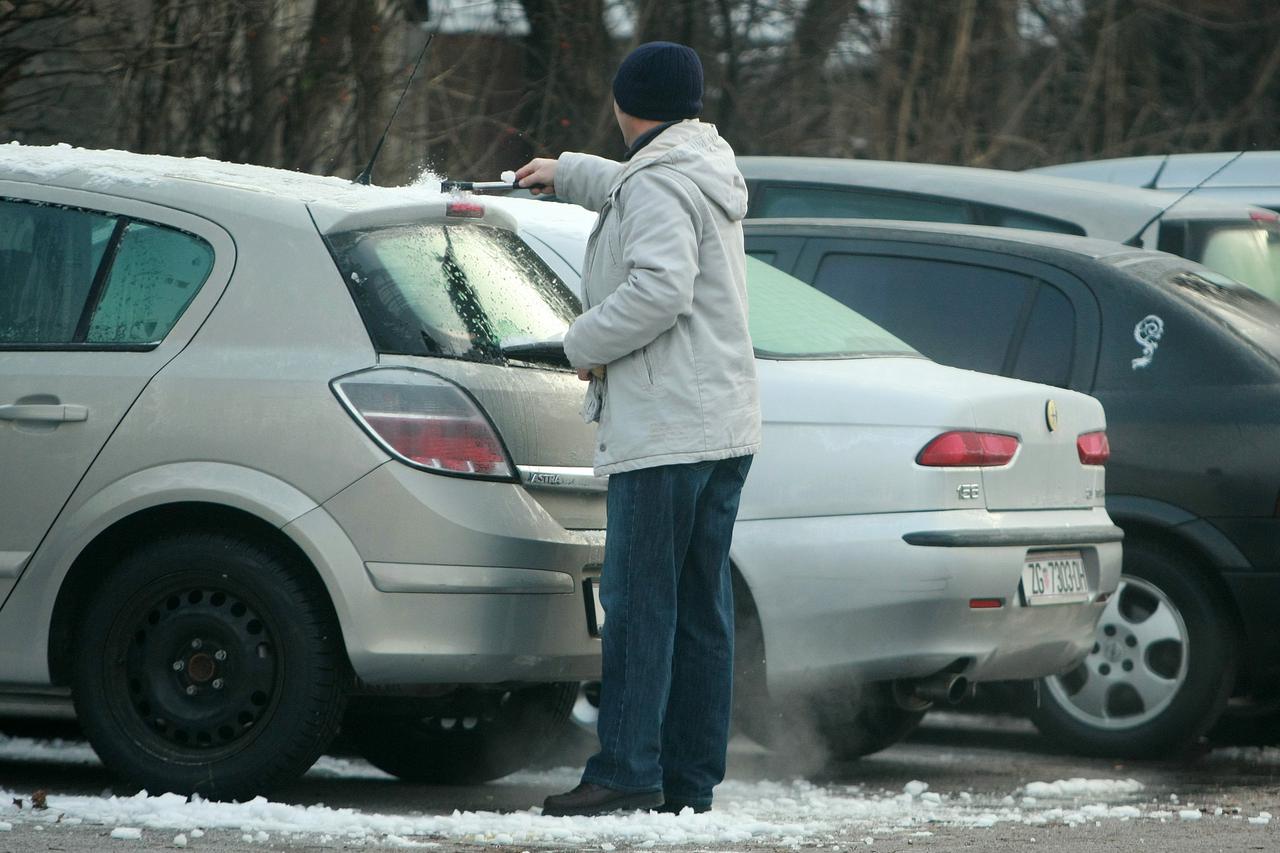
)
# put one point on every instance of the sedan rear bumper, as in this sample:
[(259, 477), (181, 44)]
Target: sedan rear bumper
[(1034, 537), (844, 599)]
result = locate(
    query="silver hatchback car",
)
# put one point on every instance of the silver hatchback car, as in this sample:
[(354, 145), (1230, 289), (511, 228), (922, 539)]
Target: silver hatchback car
[(275, 449)]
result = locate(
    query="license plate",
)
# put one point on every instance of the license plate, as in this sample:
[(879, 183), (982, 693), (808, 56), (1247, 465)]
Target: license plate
[(595, 611), (1055, 577)]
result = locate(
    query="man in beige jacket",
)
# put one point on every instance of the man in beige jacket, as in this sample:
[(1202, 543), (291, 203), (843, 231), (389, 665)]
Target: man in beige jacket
[(663, 342)]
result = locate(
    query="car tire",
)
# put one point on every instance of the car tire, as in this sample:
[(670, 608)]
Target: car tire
[(1160, 672), (466, 738), (1247, 727), (754, 714), (209, 664)]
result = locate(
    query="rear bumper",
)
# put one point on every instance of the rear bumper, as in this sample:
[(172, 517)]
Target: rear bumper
[(1031, 537), (440, 580), (846, 598)]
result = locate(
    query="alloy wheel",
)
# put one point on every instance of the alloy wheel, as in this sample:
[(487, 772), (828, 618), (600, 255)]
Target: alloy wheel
[(1137, 665)]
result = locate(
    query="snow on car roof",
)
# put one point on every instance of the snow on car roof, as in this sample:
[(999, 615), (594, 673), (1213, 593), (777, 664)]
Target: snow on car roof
[(104, 169), (152, 177)]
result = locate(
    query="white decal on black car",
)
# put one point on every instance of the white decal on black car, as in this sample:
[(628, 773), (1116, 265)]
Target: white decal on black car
[(1147, 333)]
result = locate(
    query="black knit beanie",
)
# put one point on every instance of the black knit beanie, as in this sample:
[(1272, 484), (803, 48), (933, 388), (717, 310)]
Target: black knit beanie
[(661, 81)]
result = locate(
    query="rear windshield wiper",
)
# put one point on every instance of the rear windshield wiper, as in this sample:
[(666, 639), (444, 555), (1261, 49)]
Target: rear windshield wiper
[(542, 352)]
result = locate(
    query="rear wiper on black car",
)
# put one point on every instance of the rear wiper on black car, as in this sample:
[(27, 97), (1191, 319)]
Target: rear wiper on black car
[(542, 352)]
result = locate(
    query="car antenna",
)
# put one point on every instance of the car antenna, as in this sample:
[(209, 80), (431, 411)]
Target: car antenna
[(1136, 239), (1155, 179), (367, 175)]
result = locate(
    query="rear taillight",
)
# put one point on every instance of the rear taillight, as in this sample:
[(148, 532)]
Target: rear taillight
[(425, 421), (464, 207), (1264, 216), (969, 450), (1093, 448)]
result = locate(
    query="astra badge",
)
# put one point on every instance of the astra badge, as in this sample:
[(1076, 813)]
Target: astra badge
[(1051, 415)]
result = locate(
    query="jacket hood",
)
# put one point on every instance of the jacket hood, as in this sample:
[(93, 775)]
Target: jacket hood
[(701, 155)]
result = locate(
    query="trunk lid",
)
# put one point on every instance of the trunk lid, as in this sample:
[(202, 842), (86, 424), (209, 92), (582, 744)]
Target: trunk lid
[(1046, 472), (460, 299), (535, 410)]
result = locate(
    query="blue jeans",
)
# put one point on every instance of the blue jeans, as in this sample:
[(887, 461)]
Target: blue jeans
[(668, 634)]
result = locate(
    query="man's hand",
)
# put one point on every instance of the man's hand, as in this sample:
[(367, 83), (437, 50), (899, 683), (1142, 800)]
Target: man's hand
[(585, 373), (540, 170)]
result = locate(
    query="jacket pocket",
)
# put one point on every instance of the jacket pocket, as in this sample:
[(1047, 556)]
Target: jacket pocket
[(648, 364)]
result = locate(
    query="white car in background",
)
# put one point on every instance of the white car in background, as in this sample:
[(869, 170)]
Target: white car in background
[(907, 529), (1250, 178)]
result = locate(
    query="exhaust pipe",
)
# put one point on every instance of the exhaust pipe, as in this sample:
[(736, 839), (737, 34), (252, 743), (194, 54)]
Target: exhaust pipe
[(945, 687)]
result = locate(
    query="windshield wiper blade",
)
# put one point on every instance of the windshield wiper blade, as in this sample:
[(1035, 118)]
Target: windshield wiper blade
[(543, 352)]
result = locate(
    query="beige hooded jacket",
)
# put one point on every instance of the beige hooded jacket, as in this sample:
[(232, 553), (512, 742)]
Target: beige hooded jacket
[(665, 302)]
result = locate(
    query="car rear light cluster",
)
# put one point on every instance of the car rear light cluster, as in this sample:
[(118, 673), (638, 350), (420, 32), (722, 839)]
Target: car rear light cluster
[(465, 208), (1093, 448), (964, 449), (425, 421)]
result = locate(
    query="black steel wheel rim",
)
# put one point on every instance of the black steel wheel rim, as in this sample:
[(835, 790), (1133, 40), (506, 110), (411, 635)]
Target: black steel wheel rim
[(193, 668)]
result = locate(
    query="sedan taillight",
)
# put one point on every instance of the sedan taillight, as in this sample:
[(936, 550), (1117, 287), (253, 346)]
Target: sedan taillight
[(1093, 448), (425, 421), (962, 449)]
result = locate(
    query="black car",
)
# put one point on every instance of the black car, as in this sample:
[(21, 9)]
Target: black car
[(1187, 364)]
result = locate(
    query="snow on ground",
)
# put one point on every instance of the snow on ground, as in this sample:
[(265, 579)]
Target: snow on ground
[(56, 751), (759, 812), (1259, 755)]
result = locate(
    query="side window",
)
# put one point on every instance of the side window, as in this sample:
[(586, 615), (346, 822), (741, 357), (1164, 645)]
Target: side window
[(955, 313), (1006, 218), (780, 200), (70, 276), (1048, 342), (154, 276), (48, 259), (767, 257)]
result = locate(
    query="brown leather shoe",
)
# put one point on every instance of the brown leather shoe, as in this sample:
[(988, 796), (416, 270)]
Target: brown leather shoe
[(591, 799)]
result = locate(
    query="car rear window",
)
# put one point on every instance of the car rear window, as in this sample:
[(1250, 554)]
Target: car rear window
[(1248, 254), (462, 291), (1246, 312), (791, 320), (1243, 311)]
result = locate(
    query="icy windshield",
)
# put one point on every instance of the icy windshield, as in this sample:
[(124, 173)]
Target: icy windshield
[(466, 291), (789, 319)]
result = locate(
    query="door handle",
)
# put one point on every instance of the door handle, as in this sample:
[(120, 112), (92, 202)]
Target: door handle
[(46, 412)]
